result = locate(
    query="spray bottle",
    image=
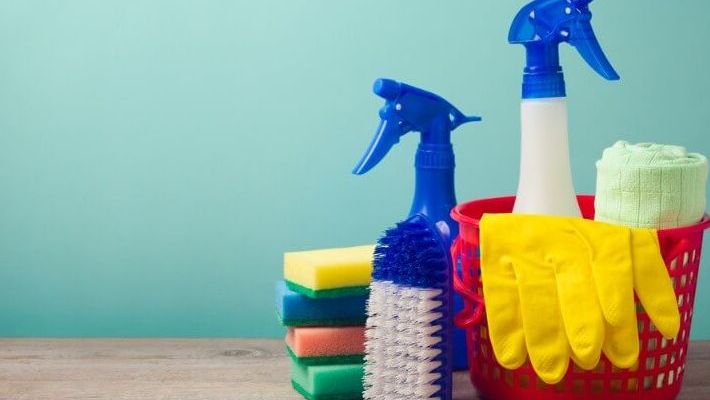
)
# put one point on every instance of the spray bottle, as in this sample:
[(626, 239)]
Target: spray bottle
[(545, 185), (410, 109)]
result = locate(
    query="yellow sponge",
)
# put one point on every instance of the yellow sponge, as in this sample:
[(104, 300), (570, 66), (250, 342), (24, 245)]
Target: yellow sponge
[(329, 272)]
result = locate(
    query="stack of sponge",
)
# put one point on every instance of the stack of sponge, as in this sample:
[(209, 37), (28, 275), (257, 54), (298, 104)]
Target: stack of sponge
[(322, 302)]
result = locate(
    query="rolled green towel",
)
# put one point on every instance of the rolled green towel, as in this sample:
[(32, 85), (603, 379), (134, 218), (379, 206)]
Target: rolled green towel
[(650, 186)]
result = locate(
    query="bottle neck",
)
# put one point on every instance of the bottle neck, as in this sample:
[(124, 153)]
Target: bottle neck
[(543, 77), (434, 193)]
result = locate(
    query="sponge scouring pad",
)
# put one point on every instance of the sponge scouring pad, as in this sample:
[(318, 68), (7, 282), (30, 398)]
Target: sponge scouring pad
[(328, 382), (326, 360), (326, 341), (295, 309), (329, 272)]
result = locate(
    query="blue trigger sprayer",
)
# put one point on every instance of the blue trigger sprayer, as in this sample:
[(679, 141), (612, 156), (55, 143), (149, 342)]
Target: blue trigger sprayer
[(545, 185), (410, 109)]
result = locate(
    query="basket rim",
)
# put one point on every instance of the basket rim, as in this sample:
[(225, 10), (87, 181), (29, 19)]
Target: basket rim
[(460, 215)]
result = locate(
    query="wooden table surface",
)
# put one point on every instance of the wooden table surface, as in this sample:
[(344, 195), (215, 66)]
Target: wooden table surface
[(204, 369)]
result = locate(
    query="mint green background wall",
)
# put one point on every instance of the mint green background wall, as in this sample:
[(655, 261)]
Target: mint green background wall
[(157, 157)]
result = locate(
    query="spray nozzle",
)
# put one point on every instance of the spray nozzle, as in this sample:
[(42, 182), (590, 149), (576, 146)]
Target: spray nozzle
[(408, 109), (541, 26)]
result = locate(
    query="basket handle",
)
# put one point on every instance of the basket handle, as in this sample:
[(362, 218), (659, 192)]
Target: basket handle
[(472, 312)]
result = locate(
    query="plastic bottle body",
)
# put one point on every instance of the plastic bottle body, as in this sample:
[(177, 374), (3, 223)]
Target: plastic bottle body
[(545, 185), (434, 197)]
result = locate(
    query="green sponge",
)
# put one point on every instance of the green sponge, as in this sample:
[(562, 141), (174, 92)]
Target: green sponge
[(328, 382)]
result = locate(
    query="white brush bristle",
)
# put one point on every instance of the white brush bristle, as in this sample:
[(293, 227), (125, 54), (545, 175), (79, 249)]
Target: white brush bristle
[(399, 342)]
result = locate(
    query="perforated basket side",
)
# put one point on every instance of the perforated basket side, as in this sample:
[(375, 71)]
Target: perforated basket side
[(661, 367)]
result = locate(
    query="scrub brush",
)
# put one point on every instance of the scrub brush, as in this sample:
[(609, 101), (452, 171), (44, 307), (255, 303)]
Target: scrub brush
[(409, 337), (408, 342)]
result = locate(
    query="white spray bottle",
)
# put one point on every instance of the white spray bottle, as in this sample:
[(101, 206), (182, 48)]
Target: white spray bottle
[(545, 185)]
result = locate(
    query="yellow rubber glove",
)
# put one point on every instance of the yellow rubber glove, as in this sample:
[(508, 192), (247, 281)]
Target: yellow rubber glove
[(655, 291), (557, 288)]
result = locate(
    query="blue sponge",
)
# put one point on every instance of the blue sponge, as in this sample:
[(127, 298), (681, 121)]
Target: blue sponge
[(295, 309)]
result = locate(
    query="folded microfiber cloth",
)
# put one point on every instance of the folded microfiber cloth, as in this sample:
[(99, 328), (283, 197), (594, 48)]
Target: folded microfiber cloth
[(650, 186), (295, 309)]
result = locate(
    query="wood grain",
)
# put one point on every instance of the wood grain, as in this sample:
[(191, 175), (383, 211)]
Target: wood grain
[(201, 369)]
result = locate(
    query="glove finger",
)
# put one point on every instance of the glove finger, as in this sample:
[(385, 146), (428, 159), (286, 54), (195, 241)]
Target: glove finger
[(652, 283), (586, 364), (610, 250), (613, 277), (581, 312), (505, 326), (545, 336), (612, 268), (500, 292), (621, 344)]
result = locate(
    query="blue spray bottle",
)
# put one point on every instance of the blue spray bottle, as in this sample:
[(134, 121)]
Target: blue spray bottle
[(545, 185), (411, 304), (410, 109)]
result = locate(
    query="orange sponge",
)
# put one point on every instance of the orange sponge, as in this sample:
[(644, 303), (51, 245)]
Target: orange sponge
[(326, 341)]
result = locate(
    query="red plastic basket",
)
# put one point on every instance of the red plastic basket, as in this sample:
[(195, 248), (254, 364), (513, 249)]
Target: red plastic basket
[(659, 372)]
